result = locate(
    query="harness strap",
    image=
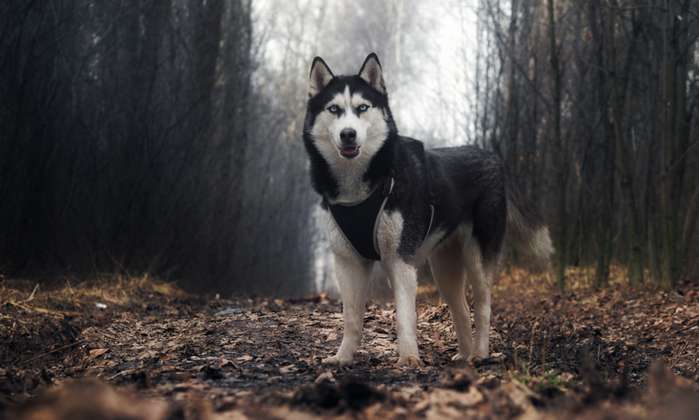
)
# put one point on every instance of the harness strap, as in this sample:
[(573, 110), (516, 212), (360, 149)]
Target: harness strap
[(429, 225), (359, 222)]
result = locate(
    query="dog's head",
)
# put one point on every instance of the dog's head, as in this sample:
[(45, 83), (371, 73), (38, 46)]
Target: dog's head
[(348, 118)]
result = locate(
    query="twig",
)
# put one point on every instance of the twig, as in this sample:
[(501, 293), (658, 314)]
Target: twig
[(535, 327), (31, 296), (687, 327), (61, 314), (75, 343), (122, 373)]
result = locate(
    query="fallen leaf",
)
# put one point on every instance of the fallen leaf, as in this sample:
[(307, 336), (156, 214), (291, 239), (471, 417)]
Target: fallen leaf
[(287, 369), (97, 352)]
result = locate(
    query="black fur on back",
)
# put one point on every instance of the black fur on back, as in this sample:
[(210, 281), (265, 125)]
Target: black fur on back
[(465, 184)]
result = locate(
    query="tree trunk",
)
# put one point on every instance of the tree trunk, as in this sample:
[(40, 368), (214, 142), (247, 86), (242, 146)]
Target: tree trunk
[(558, 150)]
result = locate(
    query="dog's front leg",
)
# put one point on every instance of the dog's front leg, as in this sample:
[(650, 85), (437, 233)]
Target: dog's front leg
[(353, 280), (404, 280)]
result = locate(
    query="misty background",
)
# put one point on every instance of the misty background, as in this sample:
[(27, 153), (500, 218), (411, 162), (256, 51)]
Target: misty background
[(164, 136)]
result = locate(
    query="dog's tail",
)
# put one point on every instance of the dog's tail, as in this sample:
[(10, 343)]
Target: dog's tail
[(527, 232)]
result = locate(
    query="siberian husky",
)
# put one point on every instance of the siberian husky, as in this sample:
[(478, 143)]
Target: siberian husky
[(390, 201)]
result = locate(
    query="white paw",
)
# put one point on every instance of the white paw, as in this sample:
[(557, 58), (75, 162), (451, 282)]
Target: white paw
[(337, 360), (459, 357), (465, 358)]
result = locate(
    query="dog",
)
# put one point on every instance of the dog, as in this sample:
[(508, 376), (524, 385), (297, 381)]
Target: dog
[(390, 201)]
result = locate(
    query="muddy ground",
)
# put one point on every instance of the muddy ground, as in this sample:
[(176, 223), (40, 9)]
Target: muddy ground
[(139, 348)]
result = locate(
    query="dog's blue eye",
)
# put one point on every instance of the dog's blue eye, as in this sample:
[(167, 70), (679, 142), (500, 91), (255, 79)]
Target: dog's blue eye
[(362, 107), (334, 109)]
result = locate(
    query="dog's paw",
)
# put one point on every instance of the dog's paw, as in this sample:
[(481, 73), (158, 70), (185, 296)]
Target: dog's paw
[(458, 357), (409, 361), (337, 361), (482, 352)]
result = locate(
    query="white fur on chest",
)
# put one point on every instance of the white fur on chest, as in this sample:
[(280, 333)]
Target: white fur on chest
[(389, 230)]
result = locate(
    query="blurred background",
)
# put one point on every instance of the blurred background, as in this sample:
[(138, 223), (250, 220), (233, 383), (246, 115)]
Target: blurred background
[(164, 136)]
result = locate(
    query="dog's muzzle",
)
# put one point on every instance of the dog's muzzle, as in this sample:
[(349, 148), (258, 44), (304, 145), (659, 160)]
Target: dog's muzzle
[(349, 147)]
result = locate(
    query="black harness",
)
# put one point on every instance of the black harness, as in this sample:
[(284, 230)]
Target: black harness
[(359, 221)]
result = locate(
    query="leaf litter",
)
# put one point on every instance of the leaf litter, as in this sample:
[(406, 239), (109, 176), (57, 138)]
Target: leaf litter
[(153, 351)]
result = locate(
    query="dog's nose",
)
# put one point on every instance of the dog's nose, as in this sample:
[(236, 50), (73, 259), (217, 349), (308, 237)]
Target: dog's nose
[(348, 136)]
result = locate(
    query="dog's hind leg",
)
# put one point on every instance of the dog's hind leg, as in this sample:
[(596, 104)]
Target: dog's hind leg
[(447, 264), (353, 281), (482, 259), (479, 277)]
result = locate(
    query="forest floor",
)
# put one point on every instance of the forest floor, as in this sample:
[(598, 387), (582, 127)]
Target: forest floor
[(138, 348)]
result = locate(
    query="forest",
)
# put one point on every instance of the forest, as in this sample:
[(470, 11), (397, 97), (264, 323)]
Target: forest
[(159, 234)]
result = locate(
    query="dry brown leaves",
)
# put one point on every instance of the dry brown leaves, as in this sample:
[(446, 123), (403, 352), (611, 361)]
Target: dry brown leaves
[(582, 353)]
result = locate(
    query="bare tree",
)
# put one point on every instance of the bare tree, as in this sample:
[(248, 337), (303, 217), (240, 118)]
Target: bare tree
[(608, 122)]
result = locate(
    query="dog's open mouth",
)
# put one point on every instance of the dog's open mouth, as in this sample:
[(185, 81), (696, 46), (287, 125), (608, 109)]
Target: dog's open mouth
[(349, 152)]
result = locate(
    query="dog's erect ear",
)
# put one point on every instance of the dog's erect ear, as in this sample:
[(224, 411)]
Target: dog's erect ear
[(371, 73), (320, 76)]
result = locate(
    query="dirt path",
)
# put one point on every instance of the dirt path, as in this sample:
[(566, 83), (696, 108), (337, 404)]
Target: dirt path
[(173, 355)]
